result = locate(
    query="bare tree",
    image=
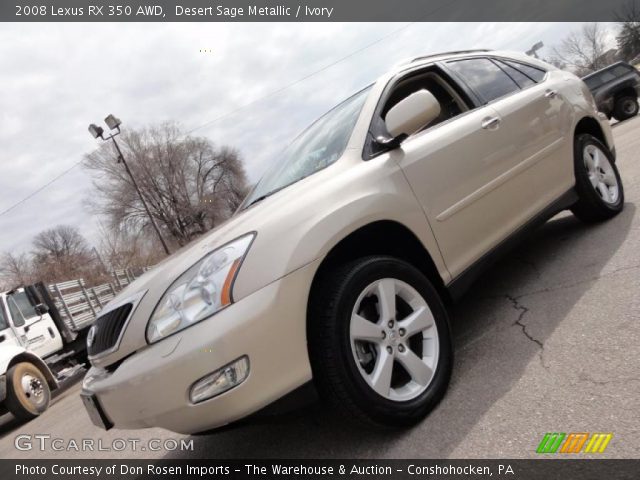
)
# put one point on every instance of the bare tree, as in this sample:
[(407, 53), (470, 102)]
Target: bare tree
[(190, 184), (629, 35), (61, 253), (124, 247), (60, 242), (16, 269), (584, 50)]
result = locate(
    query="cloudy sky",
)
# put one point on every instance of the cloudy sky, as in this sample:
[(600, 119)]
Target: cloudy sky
[(57, 78)]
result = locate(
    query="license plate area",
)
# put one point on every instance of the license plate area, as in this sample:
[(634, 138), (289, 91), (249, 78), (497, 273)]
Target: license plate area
[(96, 414)]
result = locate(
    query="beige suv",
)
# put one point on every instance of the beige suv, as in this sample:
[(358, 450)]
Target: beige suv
[(337, 268)]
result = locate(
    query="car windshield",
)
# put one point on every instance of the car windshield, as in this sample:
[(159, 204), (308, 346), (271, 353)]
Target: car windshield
[(318, 146)]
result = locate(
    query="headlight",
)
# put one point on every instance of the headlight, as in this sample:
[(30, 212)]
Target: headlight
[(199, 292)]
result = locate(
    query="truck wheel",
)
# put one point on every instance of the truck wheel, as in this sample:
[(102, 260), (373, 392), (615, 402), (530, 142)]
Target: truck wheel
[(625, 107), (28, 393), (598, 183), (379, 342)]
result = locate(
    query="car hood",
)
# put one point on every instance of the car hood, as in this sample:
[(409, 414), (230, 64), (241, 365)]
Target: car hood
[(268, 219)]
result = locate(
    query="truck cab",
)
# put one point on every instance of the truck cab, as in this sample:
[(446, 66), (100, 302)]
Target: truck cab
[(38, 352), (27, 325)]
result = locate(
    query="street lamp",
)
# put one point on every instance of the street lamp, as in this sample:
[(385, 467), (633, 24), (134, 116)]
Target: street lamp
[(114, 124), (532, 52)]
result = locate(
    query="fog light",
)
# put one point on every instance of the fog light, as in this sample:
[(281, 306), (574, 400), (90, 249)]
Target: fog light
[(220, 381)]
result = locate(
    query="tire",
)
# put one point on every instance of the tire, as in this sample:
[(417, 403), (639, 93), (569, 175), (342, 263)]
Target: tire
[(596, 174), (341, 373), (625, 107), (26, 405)]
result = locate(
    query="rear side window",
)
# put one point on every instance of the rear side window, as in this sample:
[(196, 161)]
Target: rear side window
[(535, 74), (593, 82), (520, 78), (620, 70), (484, 77)]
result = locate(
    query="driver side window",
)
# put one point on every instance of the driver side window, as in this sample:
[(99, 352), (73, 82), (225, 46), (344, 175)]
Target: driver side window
[(21, 308), (451, 104), (450, 101)]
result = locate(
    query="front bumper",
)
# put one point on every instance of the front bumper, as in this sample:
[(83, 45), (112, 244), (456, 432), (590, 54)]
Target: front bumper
[(151, 387)]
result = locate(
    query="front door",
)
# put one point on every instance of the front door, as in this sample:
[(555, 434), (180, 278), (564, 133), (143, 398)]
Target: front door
[(459, 171), (38, 332)]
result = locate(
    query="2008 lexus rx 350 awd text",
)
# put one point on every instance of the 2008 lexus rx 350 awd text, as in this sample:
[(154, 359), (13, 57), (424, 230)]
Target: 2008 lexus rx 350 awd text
[(337, 267)]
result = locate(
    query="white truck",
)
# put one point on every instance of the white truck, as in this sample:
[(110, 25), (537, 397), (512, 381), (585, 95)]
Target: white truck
[(43, 331)]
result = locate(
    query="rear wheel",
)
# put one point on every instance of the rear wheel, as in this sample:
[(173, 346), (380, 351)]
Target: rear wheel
[(379, 342), (28, 393), (625, 107), (598, 183)]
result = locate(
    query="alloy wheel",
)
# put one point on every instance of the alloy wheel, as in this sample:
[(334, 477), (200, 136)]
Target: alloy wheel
[(601, 175), (394, 339)]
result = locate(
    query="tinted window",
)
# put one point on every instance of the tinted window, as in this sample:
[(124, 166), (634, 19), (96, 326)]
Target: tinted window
[(485, 77), (620, 70), (607, 76), (604, 76), (521, 79), (593, 82), (536, 74)]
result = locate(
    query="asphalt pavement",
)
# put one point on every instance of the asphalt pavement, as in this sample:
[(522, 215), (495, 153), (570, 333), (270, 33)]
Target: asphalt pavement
[(548, 340)]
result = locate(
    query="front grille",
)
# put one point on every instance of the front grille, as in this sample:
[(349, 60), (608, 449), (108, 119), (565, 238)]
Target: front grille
[(107, 329)]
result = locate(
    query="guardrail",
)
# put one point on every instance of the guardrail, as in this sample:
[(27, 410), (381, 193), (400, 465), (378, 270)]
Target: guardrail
[(79, 304)]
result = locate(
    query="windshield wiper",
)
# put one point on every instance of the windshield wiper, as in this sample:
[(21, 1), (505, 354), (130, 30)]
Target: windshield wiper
[(259, 199), (262, 197)]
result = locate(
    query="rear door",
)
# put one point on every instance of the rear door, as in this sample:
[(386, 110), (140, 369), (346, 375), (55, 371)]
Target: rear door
[(538, 120)]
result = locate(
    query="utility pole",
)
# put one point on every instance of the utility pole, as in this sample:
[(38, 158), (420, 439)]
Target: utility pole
[(144, 202)]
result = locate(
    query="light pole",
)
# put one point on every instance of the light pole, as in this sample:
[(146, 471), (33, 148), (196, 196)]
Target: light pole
[(114, 124), (532, 52)]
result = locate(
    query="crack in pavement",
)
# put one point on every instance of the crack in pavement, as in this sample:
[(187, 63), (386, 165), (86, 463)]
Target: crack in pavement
[(523, 311)]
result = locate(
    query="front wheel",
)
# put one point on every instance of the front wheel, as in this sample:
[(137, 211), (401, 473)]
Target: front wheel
[(379, 342), (598, 183), (28, 393)]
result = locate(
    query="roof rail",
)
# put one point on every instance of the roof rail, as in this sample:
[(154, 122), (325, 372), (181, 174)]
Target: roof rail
[(457, 52)]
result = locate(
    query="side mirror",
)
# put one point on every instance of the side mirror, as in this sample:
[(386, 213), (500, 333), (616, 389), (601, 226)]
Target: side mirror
[(41, 309), (412, 113)]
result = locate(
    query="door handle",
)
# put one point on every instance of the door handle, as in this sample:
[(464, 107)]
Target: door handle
[(490, 122), (2, 338), (550, 93)]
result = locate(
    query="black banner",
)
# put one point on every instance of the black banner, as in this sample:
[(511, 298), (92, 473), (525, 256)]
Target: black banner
[(547, 469), (307, 10)]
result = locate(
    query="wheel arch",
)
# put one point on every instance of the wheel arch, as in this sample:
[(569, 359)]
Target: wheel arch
[(38, 362), (627, 91), (591, 126), (382, 237)]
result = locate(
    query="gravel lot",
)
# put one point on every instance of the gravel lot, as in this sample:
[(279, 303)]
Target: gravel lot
[(547, 340)]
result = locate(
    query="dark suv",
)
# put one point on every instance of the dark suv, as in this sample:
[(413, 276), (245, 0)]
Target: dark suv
[(616, 89)]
